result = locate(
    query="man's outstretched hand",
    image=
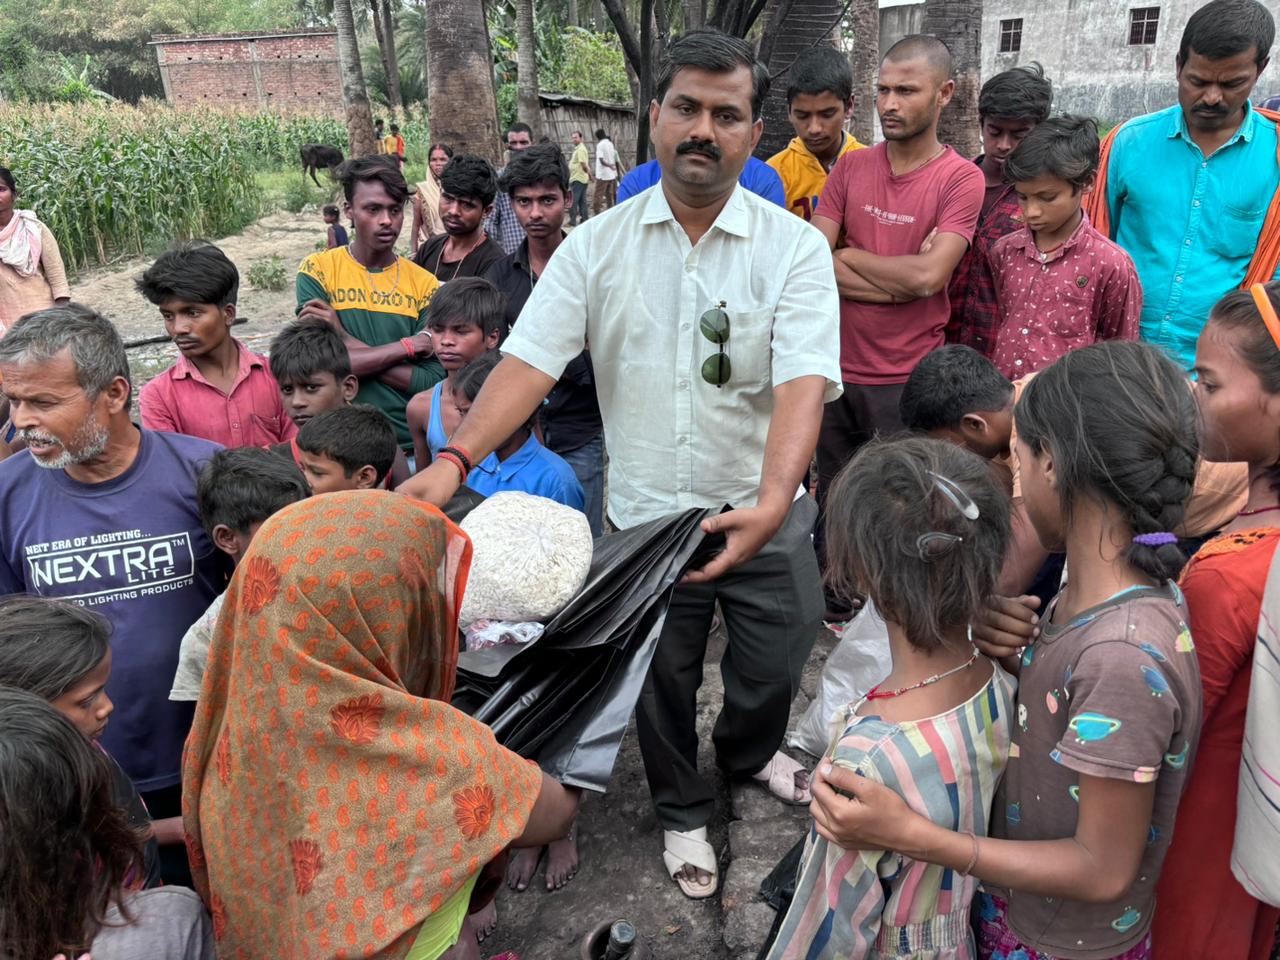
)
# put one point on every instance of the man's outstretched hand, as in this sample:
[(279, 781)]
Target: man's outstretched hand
[(436, 484), (746, 530)]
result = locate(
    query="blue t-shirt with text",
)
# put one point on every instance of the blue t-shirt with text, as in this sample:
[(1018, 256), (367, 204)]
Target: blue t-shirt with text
[(133, 549)]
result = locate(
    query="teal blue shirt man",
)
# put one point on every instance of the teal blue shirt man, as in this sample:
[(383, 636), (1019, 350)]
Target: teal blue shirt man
[(1189, 222), (1187, 188)]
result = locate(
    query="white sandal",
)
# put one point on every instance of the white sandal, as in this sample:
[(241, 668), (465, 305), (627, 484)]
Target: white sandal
[(779, 777), (683, 848)]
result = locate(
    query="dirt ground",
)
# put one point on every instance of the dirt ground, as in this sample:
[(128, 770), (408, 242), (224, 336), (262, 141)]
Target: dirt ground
[(289, 236)]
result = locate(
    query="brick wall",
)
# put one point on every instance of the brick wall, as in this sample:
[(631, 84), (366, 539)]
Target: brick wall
[(287, 71)]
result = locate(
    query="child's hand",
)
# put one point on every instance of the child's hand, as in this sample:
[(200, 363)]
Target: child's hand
[(1006, 625), (321, 310), (868, 816)]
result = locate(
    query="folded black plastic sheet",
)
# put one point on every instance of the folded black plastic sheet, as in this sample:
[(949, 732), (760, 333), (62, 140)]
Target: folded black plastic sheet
[(565, 699)]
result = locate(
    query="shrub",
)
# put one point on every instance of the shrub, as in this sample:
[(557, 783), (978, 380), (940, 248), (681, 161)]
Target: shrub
[(269, 274)]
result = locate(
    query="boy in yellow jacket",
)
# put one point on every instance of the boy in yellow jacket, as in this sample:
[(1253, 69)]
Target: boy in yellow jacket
[(819, 103)]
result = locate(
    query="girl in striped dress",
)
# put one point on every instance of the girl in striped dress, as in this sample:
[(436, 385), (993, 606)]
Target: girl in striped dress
[(920, 526)]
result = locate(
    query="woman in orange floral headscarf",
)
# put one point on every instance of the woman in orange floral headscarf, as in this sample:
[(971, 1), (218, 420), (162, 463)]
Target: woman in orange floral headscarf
[(333, 800)]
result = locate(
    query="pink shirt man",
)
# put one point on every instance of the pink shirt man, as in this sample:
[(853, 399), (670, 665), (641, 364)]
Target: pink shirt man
[(891, 216), (1056, 301), (181, 400)]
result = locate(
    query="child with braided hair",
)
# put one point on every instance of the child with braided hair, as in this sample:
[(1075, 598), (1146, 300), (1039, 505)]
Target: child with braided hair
[(1109, 698)]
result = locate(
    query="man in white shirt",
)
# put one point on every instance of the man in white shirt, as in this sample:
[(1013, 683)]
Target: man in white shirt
[(712, 319), (606, 192)]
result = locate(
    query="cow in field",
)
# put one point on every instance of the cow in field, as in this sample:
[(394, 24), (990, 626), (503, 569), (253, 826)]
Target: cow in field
[(316, 156)]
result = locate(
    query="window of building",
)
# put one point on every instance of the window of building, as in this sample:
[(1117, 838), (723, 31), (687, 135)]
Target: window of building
[(1011, 35), (1143, 22)]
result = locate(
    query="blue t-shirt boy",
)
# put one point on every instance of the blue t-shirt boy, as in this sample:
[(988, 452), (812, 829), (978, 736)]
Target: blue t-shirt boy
[(531, 469), (133, 549)]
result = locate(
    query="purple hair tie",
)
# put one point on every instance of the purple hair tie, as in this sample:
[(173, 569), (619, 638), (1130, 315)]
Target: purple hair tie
[(1155, 539)]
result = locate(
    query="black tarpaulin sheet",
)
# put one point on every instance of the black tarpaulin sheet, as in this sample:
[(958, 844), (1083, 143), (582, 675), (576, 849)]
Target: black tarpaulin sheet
[(565, 699)]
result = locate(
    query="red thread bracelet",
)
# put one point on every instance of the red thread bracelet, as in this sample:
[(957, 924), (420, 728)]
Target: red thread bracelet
[(456, 461), (407, 343)]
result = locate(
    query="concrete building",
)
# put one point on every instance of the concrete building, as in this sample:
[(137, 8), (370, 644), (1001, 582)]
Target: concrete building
[(282, 70), (1107, 59)]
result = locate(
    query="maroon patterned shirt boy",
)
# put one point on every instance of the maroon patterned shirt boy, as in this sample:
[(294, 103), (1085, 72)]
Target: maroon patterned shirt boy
[(975, 309), (1053, 302)]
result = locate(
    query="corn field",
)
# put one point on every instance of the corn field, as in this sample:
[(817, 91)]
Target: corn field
[(113, 180)]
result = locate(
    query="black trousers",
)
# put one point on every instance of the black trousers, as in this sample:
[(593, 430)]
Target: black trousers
[(772, 605), (578, 212)]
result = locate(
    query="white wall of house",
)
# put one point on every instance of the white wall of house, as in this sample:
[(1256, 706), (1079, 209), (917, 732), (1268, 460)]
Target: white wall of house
[(1084, 48)]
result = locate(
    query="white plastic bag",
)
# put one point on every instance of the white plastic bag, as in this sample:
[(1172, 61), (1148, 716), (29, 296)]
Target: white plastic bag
[(859, 661), (482, 634)]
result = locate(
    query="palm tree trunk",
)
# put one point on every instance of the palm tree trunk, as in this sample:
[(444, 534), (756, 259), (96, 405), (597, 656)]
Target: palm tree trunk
[(573, 14), (387, 46), (958, 23), (864, 18), (462, 108), (355, 98), (795, 27), (695, 13), (527, 66)]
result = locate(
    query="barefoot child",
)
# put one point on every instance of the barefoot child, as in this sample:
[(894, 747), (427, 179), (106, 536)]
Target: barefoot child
[(312, 366), (237, 491), (920, 526), (1238, 389), (1109, 695), (1061, 284), (336, 233), (467, 320), (60, 651), (351, 448), (219, 389)]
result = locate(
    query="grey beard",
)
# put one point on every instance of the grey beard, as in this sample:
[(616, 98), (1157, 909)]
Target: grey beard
[(89, 442)]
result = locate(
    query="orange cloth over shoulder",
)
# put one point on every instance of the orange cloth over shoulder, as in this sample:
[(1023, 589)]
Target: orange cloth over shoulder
[(1266, 257), (332, 797)]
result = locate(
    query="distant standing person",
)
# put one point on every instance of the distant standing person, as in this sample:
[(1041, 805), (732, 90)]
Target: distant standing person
[(819, 103), (426, 199), (1190, 191), (606, 194), (336, 233), (31, 273), (395, 145), (501, 225), (380, 136), (579, 177), (1010, 105)]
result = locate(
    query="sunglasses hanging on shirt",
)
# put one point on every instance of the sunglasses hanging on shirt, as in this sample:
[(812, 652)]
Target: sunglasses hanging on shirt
[(714, 324)]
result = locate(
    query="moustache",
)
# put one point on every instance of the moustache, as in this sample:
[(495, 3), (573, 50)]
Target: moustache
[(697, 146), (1210, 111)]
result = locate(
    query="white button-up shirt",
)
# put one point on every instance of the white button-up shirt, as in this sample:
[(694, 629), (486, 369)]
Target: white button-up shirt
[(629, 283)]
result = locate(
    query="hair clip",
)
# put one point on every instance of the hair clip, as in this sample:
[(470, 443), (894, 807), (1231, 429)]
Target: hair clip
[(1155, 539), (935, 544), (955, 493)]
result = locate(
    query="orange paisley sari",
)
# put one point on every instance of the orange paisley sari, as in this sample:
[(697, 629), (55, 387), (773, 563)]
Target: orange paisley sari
[(332, 798)]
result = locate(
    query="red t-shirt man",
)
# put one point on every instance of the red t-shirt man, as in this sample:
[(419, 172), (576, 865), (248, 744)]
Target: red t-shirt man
[(891, 216)]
